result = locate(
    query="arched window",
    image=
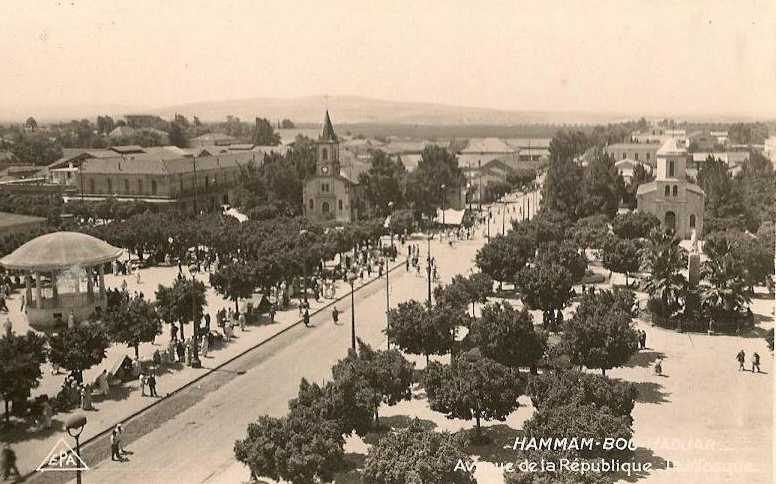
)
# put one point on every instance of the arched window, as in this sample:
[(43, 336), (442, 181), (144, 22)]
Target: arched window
[(324, 154), (312, 204), (140, 187), (676, 191), (126, 186), (325, 207), (692, 221), (668, 191), (670, 220), (110, 185), (91, 185), (671, 168), (340, 204)]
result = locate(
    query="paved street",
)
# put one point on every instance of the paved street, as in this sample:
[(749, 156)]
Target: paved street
[(197, 444)]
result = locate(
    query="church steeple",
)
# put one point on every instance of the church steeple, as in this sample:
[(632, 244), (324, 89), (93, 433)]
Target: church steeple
[(328, 130)]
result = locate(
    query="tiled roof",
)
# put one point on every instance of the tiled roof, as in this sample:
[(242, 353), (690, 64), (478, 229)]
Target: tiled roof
[(488, 145), (145, 165)]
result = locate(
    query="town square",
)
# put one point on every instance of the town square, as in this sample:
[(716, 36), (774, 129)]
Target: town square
[(387, 288)]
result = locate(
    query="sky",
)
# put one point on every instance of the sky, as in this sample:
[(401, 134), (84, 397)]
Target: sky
[(624, 56)]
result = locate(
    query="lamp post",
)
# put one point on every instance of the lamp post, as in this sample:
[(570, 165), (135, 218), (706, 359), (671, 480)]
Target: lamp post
[(75, 425), (352, 281), (490, 216), (195, 362), (302, 234), (503, 218), (428, 268), (443, 206)]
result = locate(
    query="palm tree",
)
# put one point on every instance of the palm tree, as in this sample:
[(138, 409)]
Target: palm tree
[(664, 259), (726, 275)]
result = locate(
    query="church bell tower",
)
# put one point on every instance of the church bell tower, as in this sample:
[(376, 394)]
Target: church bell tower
[(328, 160)]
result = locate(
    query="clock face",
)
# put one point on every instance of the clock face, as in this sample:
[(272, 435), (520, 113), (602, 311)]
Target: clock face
[(325, 170)]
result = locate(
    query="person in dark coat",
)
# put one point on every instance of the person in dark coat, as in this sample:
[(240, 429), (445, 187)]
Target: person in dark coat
[(306, 318), (152, 385)]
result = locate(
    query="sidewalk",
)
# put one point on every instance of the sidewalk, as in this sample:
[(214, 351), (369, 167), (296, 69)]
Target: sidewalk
[(125, 400)]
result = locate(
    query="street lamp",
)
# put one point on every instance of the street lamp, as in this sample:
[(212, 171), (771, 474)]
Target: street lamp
[(503, 218), (428, 267), (443, 205), (195, 362), (302, 233), (352, 280), (75, 425)]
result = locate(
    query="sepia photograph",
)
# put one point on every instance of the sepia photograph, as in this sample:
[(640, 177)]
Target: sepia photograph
[(387, 241)]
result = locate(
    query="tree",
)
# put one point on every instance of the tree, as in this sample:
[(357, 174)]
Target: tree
[(287, 124), (504, 256), (182, 302), (582, 422), (664, 259), (234, 281), (521, 177), (105, 124), (727, 292), (31, 124), (507, 336), (634, 225), (421, 331), (78, 348), (416, 455), (387, 374), (132, 322), (437, 167), (383, 182), (296, 450), (591, 232), (177, 136), (725, 207), (546, 286), (603, 187), (36, 149), (564, 254), (560, 388), (561, 189), (20, 359), (346, 402), (621, 255), (599, 335), (264, 134), (473, 387)]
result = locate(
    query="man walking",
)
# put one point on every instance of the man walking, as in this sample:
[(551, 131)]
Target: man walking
[(755, 362), (8, 462), (335, 315), (115, 441), (306, 318), (741, 357), (152, 385)]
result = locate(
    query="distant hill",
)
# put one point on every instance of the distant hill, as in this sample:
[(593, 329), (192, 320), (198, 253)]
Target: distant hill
[(354, 109)]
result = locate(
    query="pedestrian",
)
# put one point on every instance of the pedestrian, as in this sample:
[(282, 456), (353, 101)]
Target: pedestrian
[(272, 310), (241, 320), (47, 412), (643, 339), (115, 442), (124, 285), (335, 315), (755, 362), (8, 462), (181, 351), (205, 343), (86, 397), (137, 274), (3, 306), (659, 367), (8, 327), (307, 318), (102, 382), (152, 385), (173, 332), (142, 380), (71, 320), (407, 265), (741, 357)]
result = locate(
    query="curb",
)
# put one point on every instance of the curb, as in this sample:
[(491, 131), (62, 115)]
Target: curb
[(136, 413)]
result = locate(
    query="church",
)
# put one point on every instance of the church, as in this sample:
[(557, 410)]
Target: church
[(329, 194), (677, 202)]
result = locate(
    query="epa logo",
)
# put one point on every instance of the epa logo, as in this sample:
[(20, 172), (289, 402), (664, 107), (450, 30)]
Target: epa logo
[(62, 458)]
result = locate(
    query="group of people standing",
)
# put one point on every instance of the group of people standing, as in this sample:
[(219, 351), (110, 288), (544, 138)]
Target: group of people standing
[(741, 358)]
